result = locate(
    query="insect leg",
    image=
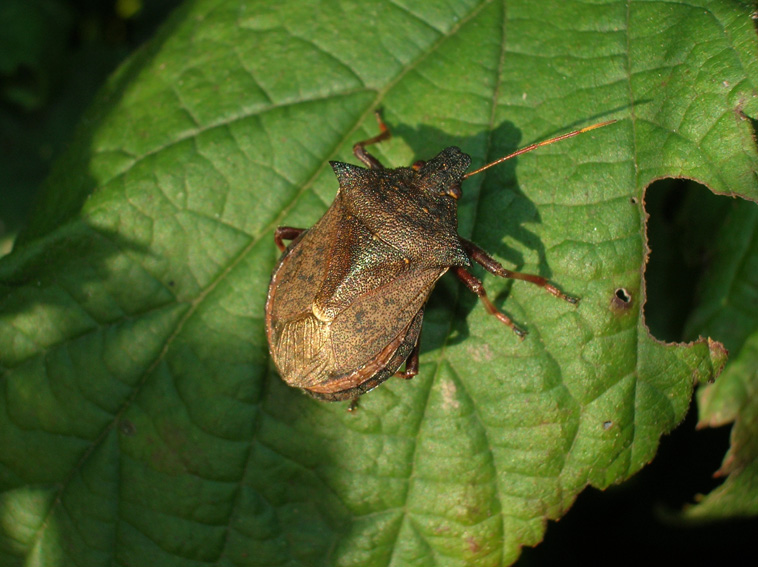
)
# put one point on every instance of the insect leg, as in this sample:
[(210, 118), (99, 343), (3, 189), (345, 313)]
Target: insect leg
[(491, 265), (411, 364), (476, 286), (286, 233), (359, 149)]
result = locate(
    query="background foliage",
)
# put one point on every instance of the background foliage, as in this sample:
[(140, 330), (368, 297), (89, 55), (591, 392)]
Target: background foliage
[(141, 418)]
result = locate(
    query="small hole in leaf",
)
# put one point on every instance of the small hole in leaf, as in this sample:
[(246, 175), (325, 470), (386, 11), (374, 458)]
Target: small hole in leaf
[(623, 295), (633, 200), (621, 300)]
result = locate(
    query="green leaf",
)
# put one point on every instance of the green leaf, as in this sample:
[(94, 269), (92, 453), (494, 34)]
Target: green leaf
[(141, 421)]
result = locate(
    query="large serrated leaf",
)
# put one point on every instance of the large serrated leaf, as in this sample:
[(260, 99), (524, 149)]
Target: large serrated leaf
[(141, 421)]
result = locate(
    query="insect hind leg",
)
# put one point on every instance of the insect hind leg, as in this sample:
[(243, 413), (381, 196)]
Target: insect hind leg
[(286, 233), (411, 364)]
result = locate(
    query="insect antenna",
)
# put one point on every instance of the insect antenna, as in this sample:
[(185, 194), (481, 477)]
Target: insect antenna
[(536, 145)]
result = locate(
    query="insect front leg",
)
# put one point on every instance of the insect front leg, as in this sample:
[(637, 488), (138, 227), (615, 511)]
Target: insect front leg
[(493, 266), (359, 149), (475, 285), (286, 233)]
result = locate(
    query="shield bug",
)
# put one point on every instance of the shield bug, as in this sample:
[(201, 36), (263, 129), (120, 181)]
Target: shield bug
[(346, 299)]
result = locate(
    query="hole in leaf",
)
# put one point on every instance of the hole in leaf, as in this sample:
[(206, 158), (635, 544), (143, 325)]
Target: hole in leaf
[(621, 300), (623, 295), (683, 218)]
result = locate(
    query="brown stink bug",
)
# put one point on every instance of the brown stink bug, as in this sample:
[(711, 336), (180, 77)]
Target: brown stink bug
[(346, 300)]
